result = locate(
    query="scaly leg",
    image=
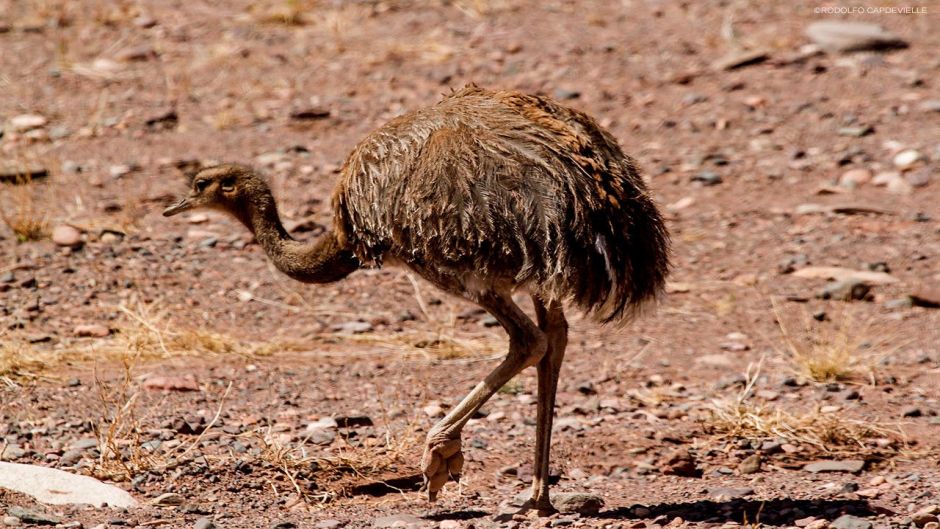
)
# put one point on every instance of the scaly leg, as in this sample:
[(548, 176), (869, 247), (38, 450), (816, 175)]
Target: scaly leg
[(442, 458), (552, 322)]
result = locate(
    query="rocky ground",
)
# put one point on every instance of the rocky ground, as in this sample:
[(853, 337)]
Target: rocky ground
[(788, 378)]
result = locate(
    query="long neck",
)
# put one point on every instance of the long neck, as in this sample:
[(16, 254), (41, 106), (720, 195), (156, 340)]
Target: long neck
[(323, 261)]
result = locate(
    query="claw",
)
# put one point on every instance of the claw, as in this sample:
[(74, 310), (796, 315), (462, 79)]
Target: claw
[(442, 461)]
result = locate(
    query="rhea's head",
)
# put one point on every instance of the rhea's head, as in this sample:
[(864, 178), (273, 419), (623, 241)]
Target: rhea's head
[(227, 187)]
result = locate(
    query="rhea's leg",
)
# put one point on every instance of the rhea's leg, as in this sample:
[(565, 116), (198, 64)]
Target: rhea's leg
[(552, 322), (443, 459)]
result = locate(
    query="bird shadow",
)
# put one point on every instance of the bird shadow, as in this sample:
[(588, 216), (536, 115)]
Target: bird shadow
[(781, 511)]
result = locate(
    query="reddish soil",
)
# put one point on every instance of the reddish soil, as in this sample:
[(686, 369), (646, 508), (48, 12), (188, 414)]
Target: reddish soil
[(105, 76)]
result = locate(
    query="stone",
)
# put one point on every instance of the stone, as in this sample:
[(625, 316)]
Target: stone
[(330, 524), (283, 524), (906, 159), (91, 330), (918, 178), (34, 517), (848, 465), (57, 487), (577, 502), (397, 520), (680, 463), (21, 172), (708, 178), (930, 105), (172, 383), (65, 235), (204, 523), (855, 178), (856, 132), (923, 517), (169, 499), (449, 524), (12, 451), (741, 58), (844, 36), (846, 290), (750, 465), (120, 170), (837, 273), (10, 521), (724, 494), (353, 327), (27, 122), (847, 521)]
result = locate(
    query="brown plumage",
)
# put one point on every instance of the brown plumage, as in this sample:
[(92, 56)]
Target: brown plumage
[(485, 193)]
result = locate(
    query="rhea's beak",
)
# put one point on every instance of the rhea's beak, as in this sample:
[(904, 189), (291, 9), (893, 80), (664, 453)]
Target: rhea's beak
[(184, 204)]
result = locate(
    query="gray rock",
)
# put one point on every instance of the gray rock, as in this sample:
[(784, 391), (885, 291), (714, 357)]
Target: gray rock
[(845, 290), (750, 465), (353, 327), (931, 105), (70, 457), (169, 499), (856, 132), (847, 521), (740, 58), (398, 520), (12, 452), (848, 465), (729, 493), (708, 178), (31, 516), (84, 444), (577, 502), (204, 523), (57, 487), (10, 521), (843, 36)]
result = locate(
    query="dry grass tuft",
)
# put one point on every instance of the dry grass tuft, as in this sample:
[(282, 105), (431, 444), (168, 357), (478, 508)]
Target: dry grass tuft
[(336, 474), (288, 13), (830, 433), (148, 334), (19, 359), (24, 218), (832, 351)]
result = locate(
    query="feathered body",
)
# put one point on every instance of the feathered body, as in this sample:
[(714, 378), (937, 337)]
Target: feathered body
[(507, 189)]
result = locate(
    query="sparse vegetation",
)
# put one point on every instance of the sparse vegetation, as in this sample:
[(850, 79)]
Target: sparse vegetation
[(22, 216), (831, 351), (832, 433)]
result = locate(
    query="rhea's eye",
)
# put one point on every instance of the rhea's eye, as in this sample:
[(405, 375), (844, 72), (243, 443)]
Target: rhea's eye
[(228, 184), (202, 185)]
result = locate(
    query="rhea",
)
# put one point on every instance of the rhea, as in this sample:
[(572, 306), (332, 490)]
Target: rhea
[(485, 194)]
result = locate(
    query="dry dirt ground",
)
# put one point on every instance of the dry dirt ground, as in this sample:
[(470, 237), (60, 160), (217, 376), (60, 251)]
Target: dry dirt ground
[(703, 413)]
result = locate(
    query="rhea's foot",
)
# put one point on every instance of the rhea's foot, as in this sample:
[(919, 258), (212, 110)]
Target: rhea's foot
[(442, 461)]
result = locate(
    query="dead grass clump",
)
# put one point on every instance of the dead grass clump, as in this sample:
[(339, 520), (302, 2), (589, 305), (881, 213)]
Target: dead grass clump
[(23, 216), (149, 334), (119, 431), (830, 433), (832, 351), (288, 13), (348, 468), (18, 359)]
